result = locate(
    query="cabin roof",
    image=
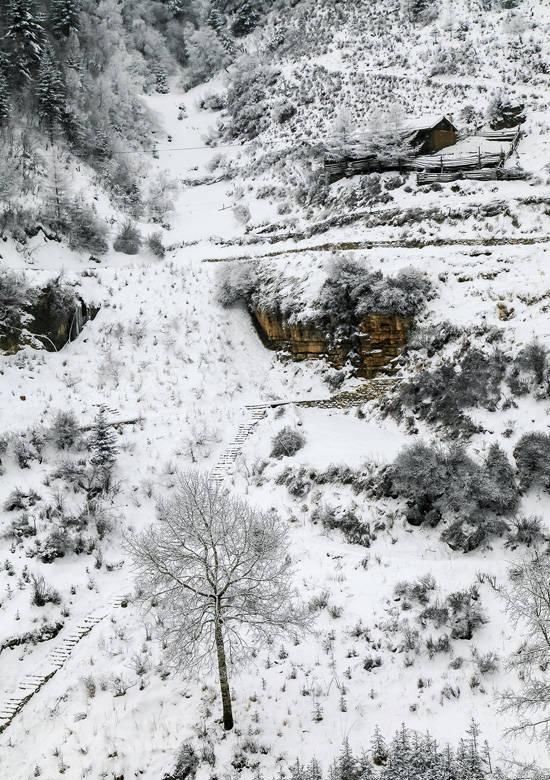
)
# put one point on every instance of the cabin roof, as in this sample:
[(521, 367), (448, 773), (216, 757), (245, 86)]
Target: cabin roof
[(426, 122)]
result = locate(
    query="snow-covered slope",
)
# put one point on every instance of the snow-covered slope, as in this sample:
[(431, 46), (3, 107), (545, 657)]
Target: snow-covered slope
[(177, 371)]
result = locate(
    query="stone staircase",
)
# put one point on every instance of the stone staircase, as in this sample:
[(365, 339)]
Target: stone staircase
[(223, 467), (32, 683)]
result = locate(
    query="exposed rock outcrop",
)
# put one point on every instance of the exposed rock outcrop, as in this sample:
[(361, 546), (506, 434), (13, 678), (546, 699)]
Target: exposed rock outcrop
[(377, 341)]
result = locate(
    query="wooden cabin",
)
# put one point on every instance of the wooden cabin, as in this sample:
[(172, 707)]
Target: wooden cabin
[(430, 134), (424, 135)]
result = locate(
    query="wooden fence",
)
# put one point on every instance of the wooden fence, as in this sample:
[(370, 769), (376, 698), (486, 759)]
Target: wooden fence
[(433, 167)]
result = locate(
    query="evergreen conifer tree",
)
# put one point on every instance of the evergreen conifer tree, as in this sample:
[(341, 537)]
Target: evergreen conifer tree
[(313, 771), (103, 447), (58, 206), (379, 750), (50, 92), (4, 100), (64, 17), (25, 39), (347, 765)]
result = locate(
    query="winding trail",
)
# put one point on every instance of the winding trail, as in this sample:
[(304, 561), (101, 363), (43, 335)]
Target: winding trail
[(389, 244)]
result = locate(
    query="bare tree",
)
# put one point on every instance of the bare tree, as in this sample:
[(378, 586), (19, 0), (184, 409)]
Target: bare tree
[(221, 572), (528, 604)]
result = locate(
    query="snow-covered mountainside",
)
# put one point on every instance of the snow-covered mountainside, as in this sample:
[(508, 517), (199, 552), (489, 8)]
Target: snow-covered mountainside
[(402, 516)]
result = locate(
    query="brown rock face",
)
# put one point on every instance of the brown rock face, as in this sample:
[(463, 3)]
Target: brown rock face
[(379, 339)]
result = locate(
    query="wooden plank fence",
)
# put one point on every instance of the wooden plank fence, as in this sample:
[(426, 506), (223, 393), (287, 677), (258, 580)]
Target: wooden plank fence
[(433, 167)]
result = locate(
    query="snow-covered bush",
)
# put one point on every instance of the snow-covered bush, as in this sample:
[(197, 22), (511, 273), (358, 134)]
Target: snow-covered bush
[(236, 283), (353, 290), (14, 297), (355, 530), (206, 55), (42, 593), (248, 97), (442, 484), (65, 430), (532, 456), (87, 232), (287, 442), (441, 395), (128, 239), (155, 245)]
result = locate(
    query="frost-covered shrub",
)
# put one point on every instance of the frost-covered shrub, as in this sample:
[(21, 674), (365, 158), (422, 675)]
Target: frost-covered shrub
[(186, 764), (418, 591), (287, 442), (242, 213), (353, 290), (19, 499), (23, 452), (441, 644), (466, 613), (14, 296), (447, 484), (532, 456), (530, 371), (65, 430), (87, 231), (128, 239), (42, 593), (206, 55), (344, 519), (155, 245), (442, 394), (527, 531), (235, 283), (248, 97)]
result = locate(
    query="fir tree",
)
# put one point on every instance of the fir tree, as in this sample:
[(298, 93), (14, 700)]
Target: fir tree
[(50, 92), (347, 765), (57, 199), (103, 447), (64, 17), (25, 39), (4, 100), (379, 750), (313, 771)]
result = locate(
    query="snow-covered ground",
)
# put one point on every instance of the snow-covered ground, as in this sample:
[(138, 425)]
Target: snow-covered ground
[(163, 353)]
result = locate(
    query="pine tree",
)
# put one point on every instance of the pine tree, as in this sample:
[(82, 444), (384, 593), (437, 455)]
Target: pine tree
[(347, 764), (50, 91), (103, 447), (58, 204), (379, 750), (25, 39), (297, 771), (313, 771), (64, 17), (5, 107)]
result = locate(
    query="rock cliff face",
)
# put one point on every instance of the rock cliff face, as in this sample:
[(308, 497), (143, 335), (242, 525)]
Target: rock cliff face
[(378, 340), (52, 323)]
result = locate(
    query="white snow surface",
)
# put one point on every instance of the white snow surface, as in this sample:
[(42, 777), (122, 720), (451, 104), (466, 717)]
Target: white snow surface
[(163, 352)]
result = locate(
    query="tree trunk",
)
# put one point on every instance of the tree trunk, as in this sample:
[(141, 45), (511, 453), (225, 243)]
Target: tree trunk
[(224, 680)]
